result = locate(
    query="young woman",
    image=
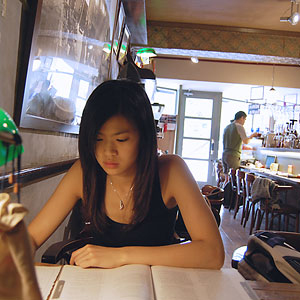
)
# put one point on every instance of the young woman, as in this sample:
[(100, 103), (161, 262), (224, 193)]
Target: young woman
[(129, 194)]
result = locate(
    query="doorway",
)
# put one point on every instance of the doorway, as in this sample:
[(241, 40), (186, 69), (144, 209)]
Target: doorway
[(198, 132)]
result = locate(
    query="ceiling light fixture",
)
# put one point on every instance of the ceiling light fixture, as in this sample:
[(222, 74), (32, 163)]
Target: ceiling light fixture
[(295, 16), (195, 60)]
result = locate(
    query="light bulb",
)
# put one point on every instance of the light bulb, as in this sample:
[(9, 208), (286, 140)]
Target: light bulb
[(294, 19), (195, 60)]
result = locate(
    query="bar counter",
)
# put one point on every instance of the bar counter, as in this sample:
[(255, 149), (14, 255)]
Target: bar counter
[(277, 176), (284, 157)]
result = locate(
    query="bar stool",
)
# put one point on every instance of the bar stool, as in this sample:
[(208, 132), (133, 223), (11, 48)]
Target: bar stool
[(240, 194)]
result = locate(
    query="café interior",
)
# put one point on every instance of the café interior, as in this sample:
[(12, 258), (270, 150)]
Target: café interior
[(224, 56)]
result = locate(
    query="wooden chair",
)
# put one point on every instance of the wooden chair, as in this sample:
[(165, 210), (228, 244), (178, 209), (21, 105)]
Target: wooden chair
[(259, 209), (286, 211), (240, 194), (250, 203)]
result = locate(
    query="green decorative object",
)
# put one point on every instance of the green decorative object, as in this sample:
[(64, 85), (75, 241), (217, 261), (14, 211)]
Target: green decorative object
[(9, 129)]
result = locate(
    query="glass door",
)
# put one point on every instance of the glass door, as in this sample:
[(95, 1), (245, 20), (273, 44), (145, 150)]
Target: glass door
[(198, 132)]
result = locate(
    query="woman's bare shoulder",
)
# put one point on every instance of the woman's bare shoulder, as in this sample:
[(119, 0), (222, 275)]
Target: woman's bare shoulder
[(171, 169), (76, 167), (170, 161), (73, 178)]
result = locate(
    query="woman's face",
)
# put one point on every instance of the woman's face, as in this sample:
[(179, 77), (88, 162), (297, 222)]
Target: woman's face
[(117, 146)]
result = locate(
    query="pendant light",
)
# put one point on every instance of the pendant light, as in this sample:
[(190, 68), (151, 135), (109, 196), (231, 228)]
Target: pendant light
[(272, 92), (272, 88)]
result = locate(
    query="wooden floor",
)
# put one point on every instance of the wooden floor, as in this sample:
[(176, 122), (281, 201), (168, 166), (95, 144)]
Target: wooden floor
[(233, 233)]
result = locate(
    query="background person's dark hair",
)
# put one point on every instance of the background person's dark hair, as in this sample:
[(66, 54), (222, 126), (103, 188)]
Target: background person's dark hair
[(239, 115), (128, 99)]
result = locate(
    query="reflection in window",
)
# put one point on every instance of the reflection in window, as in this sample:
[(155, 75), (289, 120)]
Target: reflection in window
[(62, 83), (81, 99), (53, 89), (59, 65), (83, 89)]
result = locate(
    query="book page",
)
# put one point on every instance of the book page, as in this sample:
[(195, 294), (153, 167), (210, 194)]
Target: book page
[(130, 282), (46, 276), (193, 284)]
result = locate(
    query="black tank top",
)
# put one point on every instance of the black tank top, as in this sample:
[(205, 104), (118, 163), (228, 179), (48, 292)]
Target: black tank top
[(157, 229)]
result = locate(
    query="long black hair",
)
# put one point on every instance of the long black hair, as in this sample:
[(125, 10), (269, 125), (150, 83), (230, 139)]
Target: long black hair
[(126, 98)]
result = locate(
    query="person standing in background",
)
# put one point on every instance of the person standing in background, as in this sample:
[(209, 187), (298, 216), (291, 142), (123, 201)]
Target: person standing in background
[(233, 137)]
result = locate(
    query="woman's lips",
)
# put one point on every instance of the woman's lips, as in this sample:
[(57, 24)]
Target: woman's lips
[(111, 165)]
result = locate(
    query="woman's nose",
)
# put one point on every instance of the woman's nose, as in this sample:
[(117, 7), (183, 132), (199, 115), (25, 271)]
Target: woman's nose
[(109, 148)]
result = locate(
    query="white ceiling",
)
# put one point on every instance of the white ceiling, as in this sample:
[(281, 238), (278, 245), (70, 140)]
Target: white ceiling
[(259, 14), (256, 14)]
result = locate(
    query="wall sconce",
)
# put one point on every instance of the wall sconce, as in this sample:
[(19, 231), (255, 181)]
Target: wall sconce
[(295, 16), (145, 54)]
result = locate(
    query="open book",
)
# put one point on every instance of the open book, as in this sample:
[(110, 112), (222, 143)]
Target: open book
[(139, 282)]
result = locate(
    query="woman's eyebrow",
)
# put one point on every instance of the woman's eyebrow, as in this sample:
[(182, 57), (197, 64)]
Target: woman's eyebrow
[(116, 133), (121, 132)]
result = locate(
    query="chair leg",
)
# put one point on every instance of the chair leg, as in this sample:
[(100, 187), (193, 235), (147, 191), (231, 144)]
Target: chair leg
[(271, 220), (273, 216), (279, 222), (237, 205), (286, 222), (253, 217), (260, 217), (232, 202), (247, 212), (267, 219), (243, 210), (297, 222)]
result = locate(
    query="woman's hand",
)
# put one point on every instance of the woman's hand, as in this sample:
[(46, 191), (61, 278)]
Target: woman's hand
[(97, 256)]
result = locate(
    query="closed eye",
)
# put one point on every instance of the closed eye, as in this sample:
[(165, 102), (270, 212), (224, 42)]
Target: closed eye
[(122, 140)]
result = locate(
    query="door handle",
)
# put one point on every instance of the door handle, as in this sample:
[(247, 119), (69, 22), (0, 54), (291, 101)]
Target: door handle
[(212, 147)]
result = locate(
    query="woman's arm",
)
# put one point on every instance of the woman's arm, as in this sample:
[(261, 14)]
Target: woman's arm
[(204, 251), (58, 206)]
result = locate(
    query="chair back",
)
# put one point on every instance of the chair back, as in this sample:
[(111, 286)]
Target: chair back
[(240, 182), (249, 179), (232, 175)]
